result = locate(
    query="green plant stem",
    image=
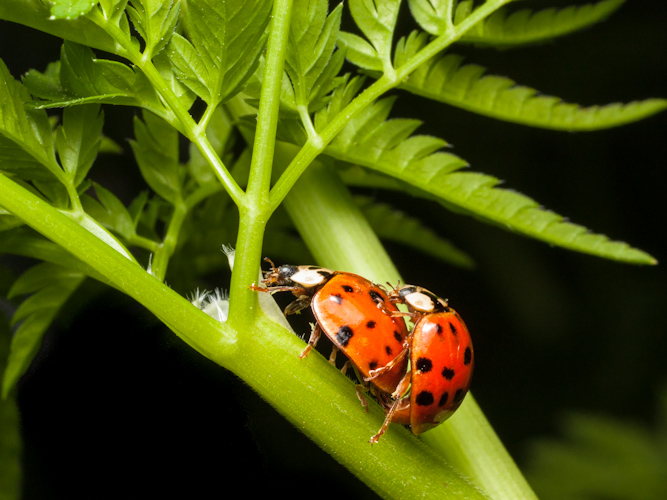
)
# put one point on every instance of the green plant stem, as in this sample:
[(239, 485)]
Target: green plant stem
[(341, 238), (168, 246), (253, 213), (197, 329)]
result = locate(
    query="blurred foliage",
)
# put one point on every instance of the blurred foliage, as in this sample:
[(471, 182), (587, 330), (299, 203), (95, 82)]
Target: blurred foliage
[(601, 457)]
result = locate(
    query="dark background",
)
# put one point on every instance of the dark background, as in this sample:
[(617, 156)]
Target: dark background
[(115, 404)]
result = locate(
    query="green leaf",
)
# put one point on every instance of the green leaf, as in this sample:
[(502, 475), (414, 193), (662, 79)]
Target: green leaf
[(446, 80), (155, 20), (8, 221), (377, 19), (312, 40), (78, 139), (71, 9), (505, 29), (10, 435), (26, 140), (110, 212), (80, 78), (393, 225), (359, 52), (36, 14), (370, 141), (225, 42), (341, 97), (156, 151), (431, 14), (53, 285)]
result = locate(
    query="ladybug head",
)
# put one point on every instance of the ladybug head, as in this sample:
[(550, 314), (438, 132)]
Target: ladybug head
[(419, 299), (278, 276)]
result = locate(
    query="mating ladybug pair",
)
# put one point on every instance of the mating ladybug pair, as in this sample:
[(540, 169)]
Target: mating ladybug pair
[(419, 377)]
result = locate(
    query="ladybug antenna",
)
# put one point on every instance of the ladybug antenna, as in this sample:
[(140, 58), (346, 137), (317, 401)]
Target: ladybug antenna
[(394, 288), (273, 266)]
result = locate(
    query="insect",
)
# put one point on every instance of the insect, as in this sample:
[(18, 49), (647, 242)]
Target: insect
[(354, 313), (441, 363)]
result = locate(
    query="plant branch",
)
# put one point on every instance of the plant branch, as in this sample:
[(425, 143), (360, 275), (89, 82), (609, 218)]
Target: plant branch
[(197, 329), (253, 214), (188, 126), (316, 145)]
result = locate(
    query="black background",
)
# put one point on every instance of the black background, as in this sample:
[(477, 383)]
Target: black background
[(115, 404)]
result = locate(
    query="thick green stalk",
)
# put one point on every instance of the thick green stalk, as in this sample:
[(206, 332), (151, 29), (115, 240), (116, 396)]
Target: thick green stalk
[(196, 328), (341, 238)]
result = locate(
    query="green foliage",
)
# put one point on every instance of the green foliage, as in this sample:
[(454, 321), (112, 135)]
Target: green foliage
[(504, 29), (10, 439), (602, 457), (446, 80), (194, 69), (51, 286)]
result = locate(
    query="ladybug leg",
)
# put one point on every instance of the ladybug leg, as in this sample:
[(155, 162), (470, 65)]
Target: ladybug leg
[(361, 390), (407, 343), (315, 334), (301, 302), (332, 359), (399, 404)]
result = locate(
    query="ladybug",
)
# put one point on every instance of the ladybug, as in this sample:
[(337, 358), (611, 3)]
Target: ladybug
[(441, 363), (354, 313)]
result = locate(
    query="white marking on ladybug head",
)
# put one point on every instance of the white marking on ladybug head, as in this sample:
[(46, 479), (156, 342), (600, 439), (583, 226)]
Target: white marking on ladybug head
[(420, 302), (308, 278)]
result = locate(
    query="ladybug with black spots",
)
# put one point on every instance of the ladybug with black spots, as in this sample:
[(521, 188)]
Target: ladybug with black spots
[(441, 363), (354, 313)]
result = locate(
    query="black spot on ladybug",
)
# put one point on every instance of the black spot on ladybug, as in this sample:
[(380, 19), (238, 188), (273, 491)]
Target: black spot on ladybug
[(438, 328), (443, 399), (448, 373), (376, 297), (344, 335), (424, 365), (370, 324), (398, 336), (467, 357), (373, 364), (459, 395), (424, 398), (453, 328), (348, 288), (388, 350), (336, 298)]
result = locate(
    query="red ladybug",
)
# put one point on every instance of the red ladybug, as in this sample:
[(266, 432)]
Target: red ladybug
[(441, 363), (353, 312)]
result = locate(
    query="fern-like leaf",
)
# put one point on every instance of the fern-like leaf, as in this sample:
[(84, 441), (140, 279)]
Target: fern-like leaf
[(504, 29), (51, 286), (446, 80), (393, 225), (417, 162)]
